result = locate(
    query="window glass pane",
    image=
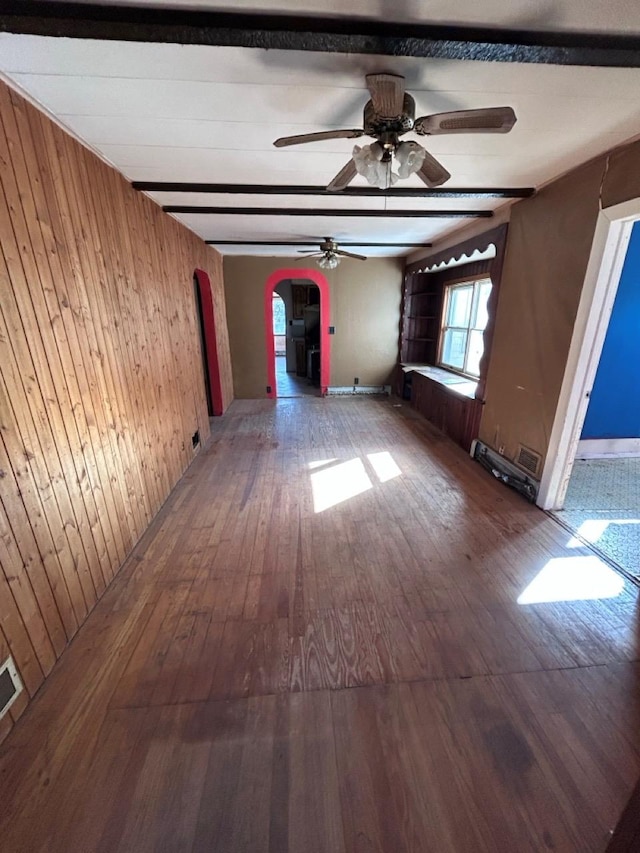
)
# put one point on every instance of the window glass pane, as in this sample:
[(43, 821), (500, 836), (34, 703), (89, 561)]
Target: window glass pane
[(459, 305), (476, 348), (453, 348), (481, 316), (279, 316)]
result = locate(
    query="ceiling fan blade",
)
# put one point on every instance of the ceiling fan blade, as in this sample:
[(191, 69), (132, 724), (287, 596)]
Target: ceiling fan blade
[(318, 137), (387, 94), (432, 172), (344, 177), (349, 254), (307, 257), (490, 120), (306, 252)]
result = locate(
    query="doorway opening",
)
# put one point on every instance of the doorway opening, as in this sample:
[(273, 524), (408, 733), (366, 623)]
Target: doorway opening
[(208, 343), (591, 480), (203, 345), (296, 338), (297, 333)]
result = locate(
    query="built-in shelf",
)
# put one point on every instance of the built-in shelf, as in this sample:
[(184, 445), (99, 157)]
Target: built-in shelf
[(421, 319)]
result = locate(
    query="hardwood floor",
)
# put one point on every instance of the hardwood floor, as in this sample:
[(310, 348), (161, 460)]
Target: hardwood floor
[(318, 646)]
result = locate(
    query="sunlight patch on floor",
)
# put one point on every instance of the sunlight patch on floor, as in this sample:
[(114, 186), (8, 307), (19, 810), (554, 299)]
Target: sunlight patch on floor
[(384, 465), (333, 483), (594, 528), (337, 484), (573, 579), (319, 463)]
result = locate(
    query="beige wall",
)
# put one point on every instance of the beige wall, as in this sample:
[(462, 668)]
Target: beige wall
[(365, 310), (548, 248)]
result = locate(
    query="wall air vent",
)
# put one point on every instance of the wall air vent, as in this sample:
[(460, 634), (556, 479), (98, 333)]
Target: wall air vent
[(528, 459), (10, 686)]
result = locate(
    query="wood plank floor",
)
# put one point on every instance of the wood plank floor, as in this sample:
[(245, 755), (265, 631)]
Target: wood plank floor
[(318, 646)]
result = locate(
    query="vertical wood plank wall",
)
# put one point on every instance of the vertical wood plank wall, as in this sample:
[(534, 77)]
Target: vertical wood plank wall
[(101, 384)]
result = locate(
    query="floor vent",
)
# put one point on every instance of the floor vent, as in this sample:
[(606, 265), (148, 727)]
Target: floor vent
[(358, 389), (528, 459), (504, 470), (10, 686)]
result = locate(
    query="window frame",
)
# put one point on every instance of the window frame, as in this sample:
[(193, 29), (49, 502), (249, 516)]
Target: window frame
[(475, 281)]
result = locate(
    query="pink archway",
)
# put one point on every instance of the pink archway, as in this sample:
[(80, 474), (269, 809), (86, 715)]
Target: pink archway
[(325, 314)]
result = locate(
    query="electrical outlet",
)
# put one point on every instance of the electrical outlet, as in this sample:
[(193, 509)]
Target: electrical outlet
[(501, 450), (356, 380)]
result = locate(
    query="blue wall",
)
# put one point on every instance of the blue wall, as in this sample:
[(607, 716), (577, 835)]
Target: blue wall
[(614, 408)]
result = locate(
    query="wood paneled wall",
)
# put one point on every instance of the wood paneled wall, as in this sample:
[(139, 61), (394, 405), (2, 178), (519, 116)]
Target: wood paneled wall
[(101, 384), (454, 414)]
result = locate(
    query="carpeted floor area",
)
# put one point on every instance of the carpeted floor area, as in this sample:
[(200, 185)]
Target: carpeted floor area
[(603, 506)]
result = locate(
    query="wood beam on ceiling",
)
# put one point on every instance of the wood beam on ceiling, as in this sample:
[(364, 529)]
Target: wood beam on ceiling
[(342, 243), (365, 192), (297, 211), (324, 35)]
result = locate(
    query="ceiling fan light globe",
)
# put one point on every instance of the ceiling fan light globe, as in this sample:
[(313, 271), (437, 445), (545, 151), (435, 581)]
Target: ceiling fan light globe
[(410, 157), (366, 161), (328, 261), (369, 163)]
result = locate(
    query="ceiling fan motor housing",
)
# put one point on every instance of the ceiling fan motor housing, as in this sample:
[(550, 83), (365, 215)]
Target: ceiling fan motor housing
[(376, 125)]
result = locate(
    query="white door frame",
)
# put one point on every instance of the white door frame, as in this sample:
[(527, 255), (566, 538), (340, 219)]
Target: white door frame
[(608, 252)]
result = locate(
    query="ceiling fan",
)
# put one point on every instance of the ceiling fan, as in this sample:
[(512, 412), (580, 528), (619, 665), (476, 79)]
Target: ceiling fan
[(329, 254), (389, 115)]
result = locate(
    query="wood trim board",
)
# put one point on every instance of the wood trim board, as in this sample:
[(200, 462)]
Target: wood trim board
[(318, 34)]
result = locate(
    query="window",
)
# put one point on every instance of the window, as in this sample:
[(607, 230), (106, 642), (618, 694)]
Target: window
[(464, 321), (279, 316)]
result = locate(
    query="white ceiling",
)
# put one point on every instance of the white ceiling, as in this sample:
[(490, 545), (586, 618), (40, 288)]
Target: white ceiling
[(204, 114)]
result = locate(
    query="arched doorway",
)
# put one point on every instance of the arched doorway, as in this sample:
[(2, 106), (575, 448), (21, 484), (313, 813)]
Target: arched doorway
[(318, 279)]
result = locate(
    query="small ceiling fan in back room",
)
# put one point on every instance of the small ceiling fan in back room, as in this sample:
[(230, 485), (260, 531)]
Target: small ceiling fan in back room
[(329, 254), (389, 115)]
